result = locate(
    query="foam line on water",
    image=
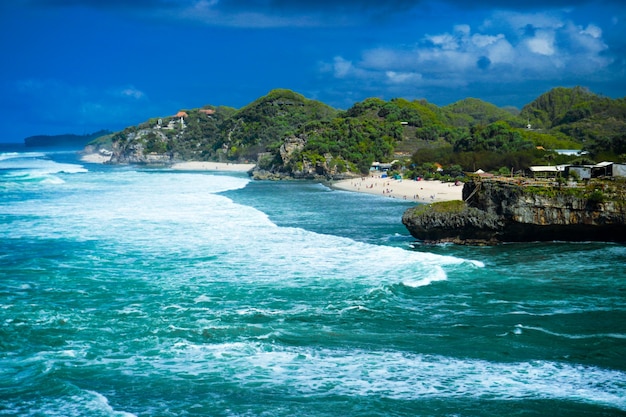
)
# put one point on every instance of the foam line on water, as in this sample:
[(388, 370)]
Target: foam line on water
[(570, 336), (21, 155), (397, 375)]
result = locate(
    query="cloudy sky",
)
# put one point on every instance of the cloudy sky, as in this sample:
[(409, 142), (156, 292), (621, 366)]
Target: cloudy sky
[(76, 66)]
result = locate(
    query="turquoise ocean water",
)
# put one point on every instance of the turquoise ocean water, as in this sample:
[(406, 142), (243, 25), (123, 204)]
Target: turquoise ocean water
[(135, 292)]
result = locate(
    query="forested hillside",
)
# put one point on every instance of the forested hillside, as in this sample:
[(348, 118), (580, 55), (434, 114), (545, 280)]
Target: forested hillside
[(290, 135)]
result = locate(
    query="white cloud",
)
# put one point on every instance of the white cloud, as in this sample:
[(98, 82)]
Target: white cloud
[(462, 29), (445, 41), (403, 77), (342, 67), (212, 13), (379, 58), (509, 48), (542, 43), (521, 22), (132, 92), (501, 51), (482, 41), (593, 31)]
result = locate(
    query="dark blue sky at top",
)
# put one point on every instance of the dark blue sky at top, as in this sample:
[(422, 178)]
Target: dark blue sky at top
[(77, 66)]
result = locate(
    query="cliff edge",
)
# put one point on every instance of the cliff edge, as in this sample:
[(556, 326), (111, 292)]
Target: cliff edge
[(496, 211)]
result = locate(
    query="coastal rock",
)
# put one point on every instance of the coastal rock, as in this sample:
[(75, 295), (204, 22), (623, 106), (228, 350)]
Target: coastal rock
[(134, 150), (464, 225), (498, 211), (291, 165)]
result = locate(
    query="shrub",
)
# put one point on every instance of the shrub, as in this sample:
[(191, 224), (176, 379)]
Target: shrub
[(596, 197)]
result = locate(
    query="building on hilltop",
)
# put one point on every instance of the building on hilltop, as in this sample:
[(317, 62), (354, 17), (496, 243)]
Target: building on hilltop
[(181, 115)]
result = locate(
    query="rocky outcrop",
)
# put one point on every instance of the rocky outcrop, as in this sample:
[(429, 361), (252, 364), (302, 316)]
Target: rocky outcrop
[(466, 225), (498, 211), (293, 166), (135, 149)]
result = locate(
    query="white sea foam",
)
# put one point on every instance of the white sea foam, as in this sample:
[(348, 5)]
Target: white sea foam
[(80, 403), (438, 274), (35, 167), (152, 212), (20, 155), (397, 375), (38, 166), (572, 336)]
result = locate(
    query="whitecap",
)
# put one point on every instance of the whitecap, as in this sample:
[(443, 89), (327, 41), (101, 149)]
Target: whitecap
[(478, 264), (98, 403), (438, 274), (20, 155), (51, 179)]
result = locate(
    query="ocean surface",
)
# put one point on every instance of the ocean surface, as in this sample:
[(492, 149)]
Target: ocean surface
[(140, 292)]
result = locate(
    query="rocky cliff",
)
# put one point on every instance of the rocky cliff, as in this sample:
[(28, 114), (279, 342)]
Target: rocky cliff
[(500, 211), (289, 164), (135, 149)]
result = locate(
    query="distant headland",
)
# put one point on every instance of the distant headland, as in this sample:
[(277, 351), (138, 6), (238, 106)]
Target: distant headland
[(68, 139)]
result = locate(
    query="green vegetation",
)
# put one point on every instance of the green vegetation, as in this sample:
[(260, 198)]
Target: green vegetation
[(595, 191), (445, 207), (427, 140)]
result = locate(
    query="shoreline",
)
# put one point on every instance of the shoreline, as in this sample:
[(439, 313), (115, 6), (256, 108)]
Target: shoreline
[(424, 191), (96, 158), (211, 166)]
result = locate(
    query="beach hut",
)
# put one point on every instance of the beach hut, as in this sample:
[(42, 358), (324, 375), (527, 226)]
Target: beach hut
[(602, 169), (619, 170), (546, 171), (582, 171)]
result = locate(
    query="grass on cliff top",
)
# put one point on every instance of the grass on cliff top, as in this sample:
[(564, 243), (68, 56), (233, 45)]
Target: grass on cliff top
[(449, 207)]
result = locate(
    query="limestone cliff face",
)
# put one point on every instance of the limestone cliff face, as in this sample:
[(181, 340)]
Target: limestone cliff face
[(134, 150), (498, 211), (293, 166)]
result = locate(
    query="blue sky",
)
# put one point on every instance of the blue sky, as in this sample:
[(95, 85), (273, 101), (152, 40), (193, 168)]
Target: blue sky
[(77, 66)]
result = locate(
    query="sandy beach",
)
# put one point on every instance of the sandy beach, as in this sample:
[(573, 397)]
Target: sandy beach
[(212, 166), (95, 158), (418, 191)]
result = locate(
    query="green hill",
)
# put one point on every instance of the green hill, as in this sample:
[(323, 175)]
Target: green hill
[(472, 111), (290, 135)]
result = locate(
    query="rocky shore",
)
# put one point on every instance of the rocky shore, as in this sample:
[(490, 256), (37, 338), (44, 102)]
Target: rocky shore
[(500, 211)]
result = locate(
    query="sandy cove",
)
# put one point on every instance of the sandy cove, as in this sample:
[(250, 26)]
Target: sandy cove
[(96, 158), (410, 190), (212, 166)]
